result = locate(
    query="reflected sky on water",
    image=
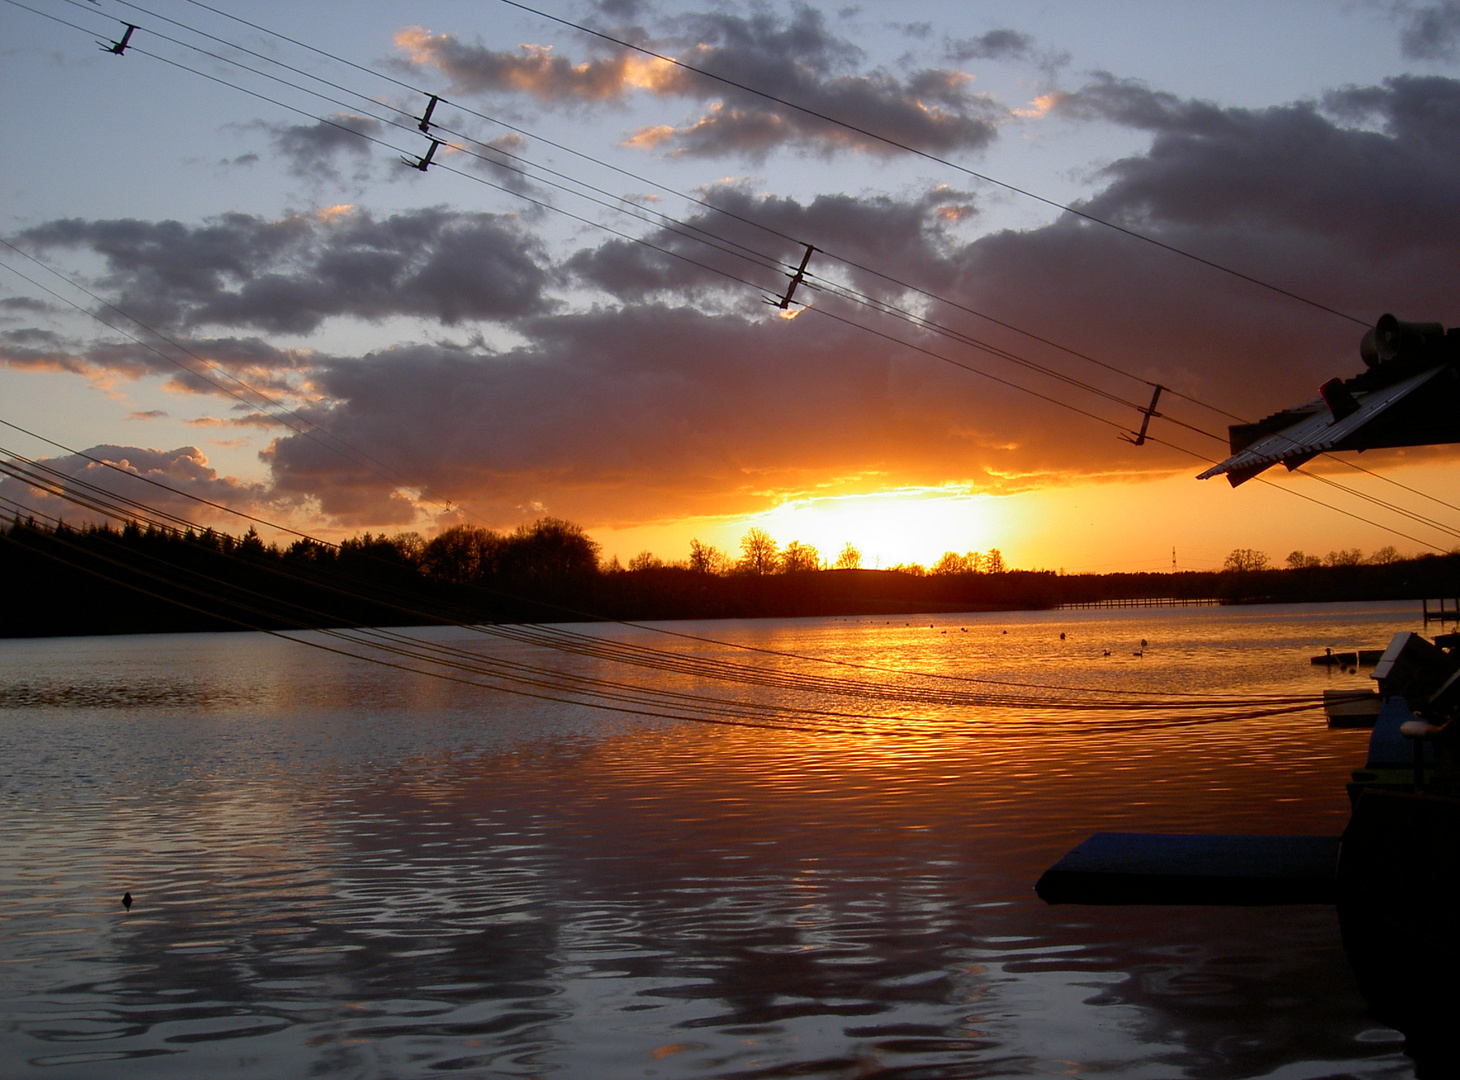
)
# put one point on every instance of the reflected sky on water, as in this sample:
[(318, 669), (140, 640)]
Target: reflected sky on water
[(347, 870)]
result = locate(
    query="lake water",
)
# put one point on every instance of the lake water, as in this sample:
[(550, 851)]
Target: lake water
[(345, 869)]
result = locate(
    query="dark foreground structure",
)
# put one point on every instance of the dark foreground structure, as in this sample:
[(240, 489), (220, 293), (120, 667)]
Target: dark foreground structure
[(1408, 395), (1394, 874), (1155, 868)]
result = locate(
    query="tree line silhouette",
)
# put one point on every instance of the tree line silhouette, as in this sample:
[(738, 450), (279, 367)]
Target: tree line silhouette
[(761, 554), (106, 580)]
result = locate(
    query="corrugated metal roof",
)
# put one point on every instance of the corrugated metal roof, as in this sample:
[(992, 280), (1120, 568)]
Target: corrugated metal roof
[(1319, 432)]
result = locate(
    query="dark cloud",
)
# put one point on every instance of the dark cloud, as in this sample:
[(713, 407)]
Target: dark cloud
[(502, 160), (52, 356), (316, 150), (621, 10), (1005, 45), (289, 276), (232, 367), (994, 45), (530, 69), (250, 420), (26, 304), (905, 239), (32, 337), (1347, 202), (1128, 102), (795, 58), (1303, 169), (333, 151), (1431, 31)]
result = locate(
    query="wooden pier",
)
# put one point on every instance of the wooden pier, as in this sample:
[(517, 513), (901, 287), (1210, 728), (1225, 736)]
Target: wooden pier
[(1444, 611), (1151, 601)]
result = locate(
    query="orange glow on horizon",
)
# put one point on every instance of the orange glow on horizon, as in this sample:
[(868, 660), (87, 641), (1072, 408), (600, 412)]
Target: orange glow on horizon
[(906, 525), (1129, 525), (890, 527)]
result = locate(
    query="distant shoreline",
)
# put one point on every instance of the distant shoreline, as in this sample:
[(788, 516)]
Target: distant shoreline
[(64, 582)]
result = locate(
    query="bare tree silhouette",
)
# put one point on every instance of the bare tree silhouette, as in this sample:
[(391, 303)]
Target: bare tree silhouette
[(758, 552), (797, 556)]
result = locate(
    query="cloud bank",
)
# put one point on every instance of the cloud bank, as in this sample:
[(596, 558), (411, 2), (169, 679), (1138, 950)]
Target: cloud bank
[(645, 381)]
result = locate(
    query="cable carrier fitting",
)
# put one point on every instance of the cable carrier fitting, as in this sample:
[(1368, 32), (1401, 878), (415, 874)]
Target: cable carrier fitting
[(797, 278), (119, 48)]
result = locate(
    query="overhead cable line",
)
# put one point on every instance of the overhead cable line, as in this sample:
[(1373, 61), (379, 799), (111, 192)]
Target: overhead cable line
[(1419, 519), (436, 652), (303, 426), (699, 200), (717, 242), (112, 504), (617, 206), (1390, 480), (295, 41), (684, 228), (745, 715), (939, 329), (719, 271), (824, 313), (1100, 419), (119, 507), (626, 236), (908, 148)]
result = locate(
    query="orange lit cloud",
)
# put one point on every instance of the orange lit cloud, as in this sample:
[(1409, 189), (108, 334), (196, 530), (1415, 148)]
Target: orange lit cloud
[(651, 137), (535, 70), (255, 420), (798, 58), (1040, 107)]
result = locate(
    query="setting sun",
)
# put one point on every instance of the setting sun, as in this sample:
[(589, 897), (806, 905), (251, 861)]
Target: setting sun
[(906, 525), (888, 528)]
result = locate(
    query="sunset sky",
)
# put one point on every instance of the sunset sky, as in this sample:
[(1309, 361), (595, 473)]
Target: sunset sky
[(564, 315)]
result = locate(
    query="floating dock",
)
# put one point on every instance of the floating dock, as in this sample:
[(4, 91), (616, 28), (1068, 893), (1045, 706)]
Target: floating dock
[(1352, 658), (1167, 868)]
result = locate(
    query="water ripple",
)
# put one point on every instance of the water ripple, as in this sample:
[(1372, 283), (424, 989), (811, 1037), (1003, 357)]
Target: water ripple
[(339, 872)]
